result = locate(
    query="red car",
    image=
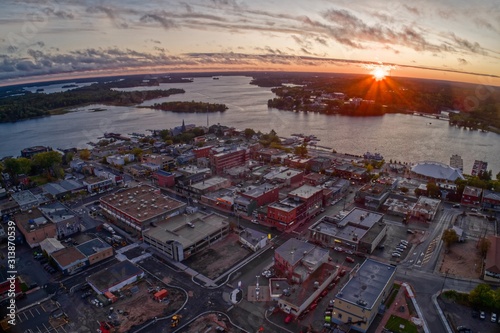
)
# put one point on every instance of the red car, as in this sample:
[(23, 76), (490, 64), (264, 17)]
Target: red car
[(288, 319), (349, 259), (313, 306)]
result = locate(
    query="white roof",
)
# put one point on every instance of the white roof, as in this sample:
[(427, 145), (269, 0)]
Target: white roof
[(51, 245), (437, 170)]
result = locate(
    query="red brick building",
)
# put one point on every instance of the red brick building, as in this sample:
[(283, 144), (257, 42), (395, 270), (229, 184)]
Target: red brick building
[(471, 196), (164, 178), (202, 152), (224, 160)]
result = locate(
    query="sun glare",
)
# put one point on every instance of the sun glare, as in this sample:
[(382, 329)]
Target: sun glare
[(379, 73)]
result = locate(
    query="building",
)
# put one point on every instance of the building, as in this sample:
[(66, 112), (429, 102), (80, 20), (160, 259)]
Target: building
[(34, 226), (226, 159), (360, 230), (315, 179), (425, 209), (286, 176), (304, 273), (69, 260), (253, 239), (115, 277), (457, 162), (372, 195), (25, 199), (66, 221), (253, 197), (120, 160), (479, 167), (59, 189), (319, 163), (163, 162), (436, 171), (139, 206), (95, 250), (348, 171), (359, 301), (164, 178), (97, 185), (31, 151), (471, 196), (491, 201), (492, 261), (202, 152), (185, 235), (51, 245), (209, 185), (301, 204)]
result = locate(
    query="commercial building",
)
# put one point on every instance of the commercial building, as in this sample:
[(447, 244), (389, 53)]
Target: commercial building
[(25, 199), (58, 190), (492, 261), (163, 162), (425, 209), (457, 162), (34, 226), (164, 178), (69, 260), (220, 161), (31, 151), (139, 206), (360, 230), (51, 245), (209, 185), (300, 205), (66, 221), (436, 171), (95, 250), (97, 185), (185, 235), (115, 277), (358, 302), (372, 195), (479, 167), (471, 196), (253, 197), (348, 171), (319, 163), (491, 201)]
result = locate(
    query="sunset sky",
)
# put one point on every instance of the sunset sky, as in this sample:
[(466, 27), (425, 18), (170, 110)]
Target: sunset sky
[(444, 39)]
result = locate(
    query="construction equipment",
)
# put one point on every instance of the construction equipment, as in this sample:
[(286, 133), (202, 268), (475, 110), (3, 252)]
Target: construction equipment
[(175, 320)]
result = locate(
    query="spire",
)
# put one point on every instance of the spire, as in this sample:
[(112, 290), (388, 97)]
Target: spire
[(183, 128)]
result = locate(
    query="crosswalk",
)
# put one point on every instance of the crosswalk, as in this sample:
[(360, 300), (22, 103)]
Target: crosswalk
[(427, 255)]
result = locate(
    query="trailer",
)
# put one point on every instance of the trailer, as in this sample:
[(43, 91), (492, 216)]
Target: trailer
[(160, 295)]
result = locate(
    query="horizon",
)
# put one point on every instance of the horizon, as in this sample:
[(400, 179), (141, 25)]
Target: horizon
[(442, 40)]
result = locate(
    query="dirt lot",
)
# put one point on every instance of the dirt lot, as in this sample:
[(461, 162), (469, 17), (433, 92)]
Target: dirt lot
[(203, 324), (216, 259), (140, 307), (462, 261)]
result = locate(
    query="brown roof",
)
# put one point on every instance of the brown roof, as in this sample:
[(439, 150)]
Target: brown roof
[(67, 256), (492, 262)]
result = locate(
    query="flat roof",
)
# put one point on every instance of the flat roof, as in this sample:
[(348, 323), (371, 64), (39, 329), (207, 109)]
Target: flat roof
[(207, 183), (113, 275), (142, 202), (67, 256), (287, 174), (305, 191), (187, 229), (92, 246), (287, 204), (293, 250), (24, 197), (252, 236), (366, 285), (257, 191), (57, 212)]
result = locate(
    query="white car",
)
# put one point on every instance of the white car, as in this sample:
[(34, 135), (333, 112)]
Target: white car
[(396, 254), (493, 317)]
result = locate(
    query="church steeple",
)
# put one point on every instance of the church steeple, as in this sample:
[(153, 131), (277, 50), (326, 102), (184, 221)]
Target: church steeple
[(183, 128)]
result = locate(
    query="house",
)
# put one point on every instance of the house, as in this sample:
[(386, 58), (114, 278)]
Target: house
[(471, 196), (491, 200), (425, 209), (253, 239)]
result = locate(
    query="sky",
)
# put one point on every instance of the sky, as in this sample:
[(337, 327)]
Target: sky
[(444, 39)]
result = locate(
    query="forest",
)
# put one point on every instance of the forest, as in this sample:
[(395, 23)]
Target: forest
[(196, 107)]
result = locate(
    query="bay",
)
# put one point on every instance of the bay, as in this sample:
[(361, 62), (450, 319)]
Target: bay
[(398, 137)]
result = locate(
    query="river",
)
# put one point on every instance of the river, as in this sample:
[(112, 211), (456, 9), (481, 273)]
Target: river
[(398, 137)]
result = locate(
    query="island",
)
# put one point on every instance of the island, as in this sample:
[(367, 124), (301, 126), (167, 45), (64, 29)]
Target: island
[(31, 105), (193, 107)]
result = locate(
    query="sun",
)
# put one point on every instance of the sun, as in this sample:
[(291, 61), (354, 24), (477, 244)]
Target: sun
[(379, 73)]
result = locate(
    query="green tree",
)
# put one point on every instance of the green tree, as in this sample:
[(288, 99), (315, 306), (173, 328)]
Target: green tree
[(432, 190), (11, 166), (498, 176), (47, 160), (24, 165), (137, 152), (301, 150), (482, 296), (449, 237)]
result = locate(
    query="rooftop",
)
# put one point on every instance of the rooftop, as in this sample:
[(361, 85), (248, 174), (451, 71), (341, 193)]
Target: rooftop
[(67, 256), (141, 202), (113, 275), (24, 197), (437, 170), (305, 191), (92, 246), (293, 250), (257, 191), (472, 191), (187, 229), (57, 212), (207, 183), (492, 262), (252, 236), (367, 283)]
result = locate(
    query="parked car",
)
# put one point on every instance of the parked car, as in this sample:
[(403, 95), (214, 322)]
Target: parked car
[(349, 259), (482, 315), (396, 254), (405, 242), (493, 317), (456, 206), (338, 249)]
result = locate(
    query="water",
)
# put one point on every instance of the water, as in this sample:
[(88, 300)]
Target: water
[(398, 137)]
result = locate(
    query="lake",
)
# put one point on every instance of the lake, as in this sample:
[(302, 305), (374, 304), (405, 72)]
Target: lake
[(398, 137)]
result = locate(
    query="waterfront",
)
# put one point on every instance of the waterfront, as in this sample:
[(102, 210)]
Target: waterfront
[(398, 137)]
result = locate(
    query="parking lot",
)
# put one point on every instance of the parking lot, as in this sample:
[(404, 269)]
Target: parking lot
[(45, 317), (459, 315)]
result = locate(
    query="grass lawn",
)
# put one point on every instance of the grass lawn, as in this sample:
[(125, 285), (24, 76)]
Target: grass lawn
[(394, 323)]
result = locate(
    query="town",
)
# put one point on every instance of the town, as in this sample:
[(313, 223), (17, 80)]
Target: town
[(218, 229)]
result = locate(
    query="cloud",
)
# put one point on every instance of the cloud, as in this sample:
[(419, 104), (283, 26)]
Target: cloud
[(483, 23), (463, 43), (110, 13), (462, 61), (413, 10), (59, 13), (165, 23)]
